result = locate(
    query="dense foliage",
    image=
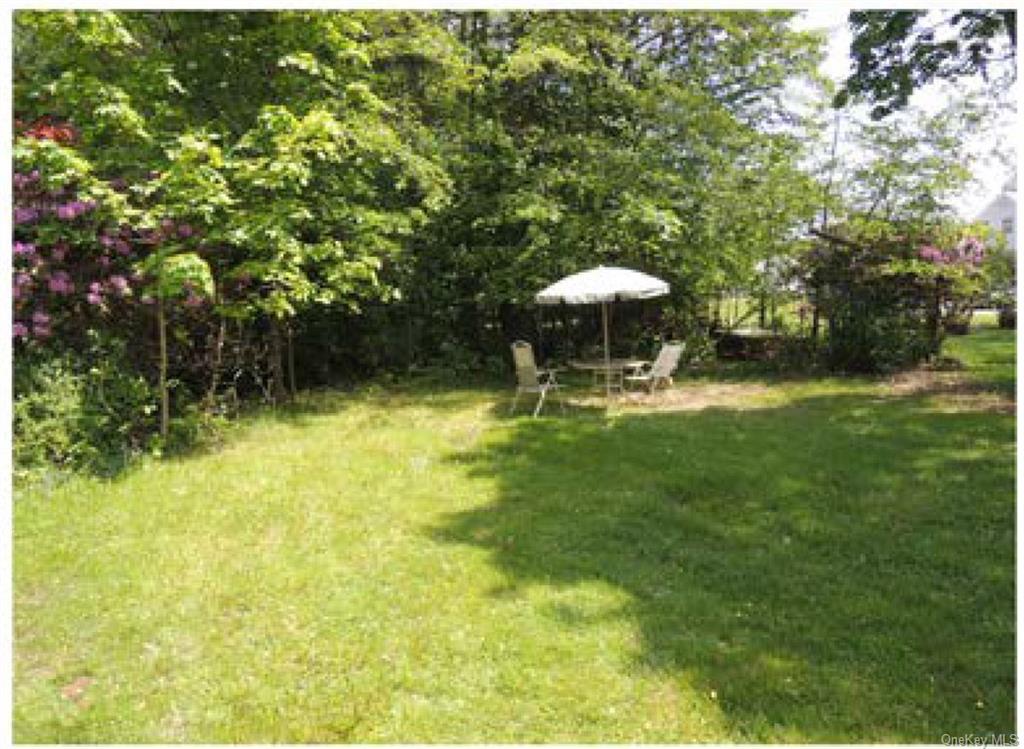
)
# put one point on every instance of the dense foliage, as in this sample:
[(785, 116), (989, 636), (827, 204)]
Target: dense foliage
[(256, 201), (242, 204), (896, 52), (890, 290)]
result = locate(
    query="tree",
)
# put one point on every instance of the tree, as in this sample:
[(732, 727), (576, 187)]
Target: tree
[(614, 137), (896, 52), (912, 166), (259, 128)]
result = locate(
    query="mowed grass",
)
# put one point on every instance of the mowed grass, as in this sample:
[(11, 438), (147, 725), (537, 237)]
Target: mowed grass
[(988, 353), (827, 562)]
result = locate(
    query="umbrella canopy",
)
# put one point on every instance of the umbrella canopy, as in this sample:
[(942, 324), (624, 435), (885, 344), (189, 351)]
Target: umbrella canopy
[(603, 284)]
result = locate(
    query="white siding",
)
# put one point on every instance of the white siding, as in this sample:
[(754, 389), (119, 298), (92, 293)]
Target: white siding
[(1001, 215)]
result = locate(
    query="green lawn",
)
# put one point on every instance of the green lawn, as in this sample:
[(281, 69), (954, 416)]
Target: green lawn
[(825, 560)]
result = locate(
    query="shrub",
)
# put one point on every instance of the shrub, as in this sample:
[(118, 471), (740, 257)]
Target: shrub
[(196, 427), (881, 335), (1008, 317), (79, 410), (888, 291)]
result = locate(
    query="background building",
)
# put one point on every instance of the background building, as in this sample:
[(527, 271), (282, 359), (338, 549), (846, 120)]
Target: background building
[(1001, 213)]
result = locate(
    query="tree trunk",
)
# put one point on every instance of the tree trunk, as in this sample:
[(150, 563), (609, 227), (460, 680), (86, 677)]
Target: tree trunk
[(291, 362), (277, 387), (218, 358), (934, 322), (831, 172), (165, 405)]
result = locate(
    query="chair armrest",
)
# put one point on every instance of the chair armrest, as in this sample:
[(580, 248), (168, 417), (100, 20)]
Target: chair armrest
[(638, 369)]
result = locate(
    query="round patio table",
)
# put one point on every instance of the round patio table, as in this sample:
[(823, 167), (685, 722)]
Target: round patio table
[(616, 367)]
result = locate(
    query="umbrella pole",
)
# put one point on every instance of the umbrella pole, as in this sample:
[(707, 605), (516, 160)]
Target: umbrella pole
[(607, 354)]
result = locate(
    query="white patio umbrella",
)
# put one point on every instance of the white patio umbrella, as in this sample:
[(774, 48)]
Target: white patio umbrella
[(603, 285)]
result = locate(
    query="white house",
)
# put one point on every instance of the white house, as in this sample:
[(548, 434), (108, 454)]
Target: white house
[(1001, 213)]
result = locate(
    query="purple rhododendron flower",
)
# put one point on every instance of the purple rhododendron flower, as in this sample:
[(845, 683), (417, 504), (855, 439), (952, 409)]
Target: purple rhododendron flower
[(22, 279), (21, 181), (931, 254), (58, 253), (61, 283), (123, 247), (104, 261), (20, 330), (93, 298), (74, 209), (25, 215), (971, 250), (24, 249), (119, 284), (185, 231), (40, 317), (107, 241)]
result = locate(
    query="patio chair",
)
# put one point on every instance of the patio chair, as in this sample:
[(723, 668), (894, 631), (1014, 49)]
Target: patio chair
[(529, 379), (660, 370)]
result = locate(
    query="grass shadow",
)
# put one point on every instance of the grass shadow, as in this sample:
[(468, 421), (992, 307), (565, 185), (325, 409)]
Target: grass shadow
[(837, 569)]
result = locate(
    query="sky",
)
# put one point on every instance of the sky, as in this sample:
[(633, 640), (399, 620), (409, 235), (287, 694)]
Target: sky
[(991, 173)]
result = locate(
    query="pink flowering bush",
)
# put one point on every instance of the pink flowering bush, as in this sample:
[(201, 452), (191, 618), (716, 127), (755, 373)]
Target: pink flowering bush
[(82, 397), (70, 259), (87, 261), (968, 254)]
